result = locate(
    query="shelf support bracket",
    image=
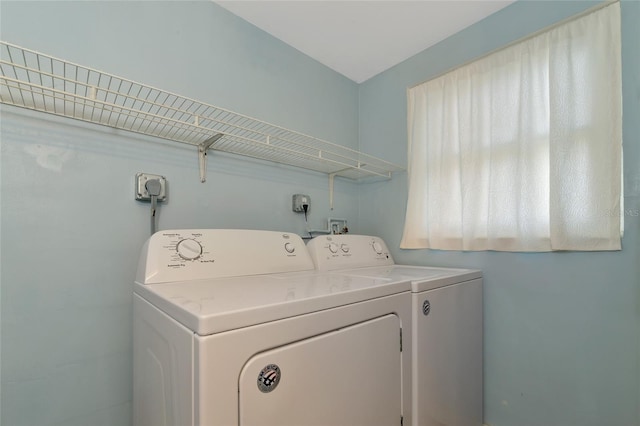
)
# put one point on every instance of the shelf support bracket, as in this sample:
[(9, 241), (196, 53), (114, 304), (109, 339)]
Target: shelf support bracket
[(202, 155), (331, 179)]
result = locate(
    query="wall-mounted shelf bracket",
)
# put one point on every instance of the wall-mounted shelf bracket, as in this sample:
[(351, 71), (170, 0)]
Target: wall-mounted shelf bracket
[(202, 155), (331, 179)]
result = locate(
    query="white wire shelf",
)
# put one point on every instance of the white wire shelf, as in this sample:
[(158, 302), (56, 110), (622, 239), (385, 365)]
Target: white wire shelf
[(36, 81)]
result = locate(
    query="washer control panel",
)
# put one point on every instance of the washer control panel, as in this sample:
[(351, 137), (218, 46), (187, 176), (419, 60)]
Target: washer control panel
[(193, 254), (331, 252)]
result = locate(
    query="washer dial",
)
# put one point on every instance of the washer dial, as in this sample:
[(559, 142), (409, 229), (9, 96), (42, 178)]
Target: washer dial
[(377, 247), (189, 249)]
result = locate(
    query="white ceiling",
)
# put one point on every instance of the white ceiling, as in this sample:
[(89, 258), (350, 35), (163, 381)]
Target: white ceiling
[(360, 39)]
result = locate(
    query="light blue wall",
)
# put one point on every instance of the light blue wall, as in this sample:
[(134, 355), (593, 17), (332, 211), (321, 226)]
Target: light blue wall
[(562, 330), (71, 229)]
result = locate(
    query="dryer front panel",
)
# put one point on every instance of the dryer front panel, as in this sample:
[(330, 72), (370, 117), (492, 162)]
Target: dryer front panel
[(351, 376), (447, 355)]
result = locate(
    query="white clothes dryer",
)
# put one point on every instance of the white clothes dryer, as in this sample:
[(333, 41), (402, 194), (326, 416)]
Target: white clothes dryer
[(236, 327), (447, 332)]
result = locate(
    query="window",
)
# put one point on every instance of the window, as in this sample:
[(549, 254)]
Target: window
[(522, 150)]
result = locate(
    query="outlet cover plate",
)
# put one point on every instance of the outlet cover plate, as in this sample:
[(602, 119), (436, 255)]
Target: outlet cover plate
[(141, 191), (298, 200)]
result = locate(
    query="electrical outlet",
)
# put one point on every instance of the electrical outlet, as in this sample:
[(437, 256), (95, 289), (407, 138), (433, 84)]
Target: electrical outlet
[(140, 187), (299, 200)]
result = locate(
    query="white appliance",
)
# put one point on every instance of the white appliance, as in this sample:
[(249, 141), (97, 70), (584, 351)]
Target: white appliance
[(236, 327), (447, 326)]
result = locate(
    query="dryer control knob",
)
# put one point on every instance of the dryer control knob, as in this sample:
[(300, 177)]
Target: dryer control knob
[(344, 248), (189, 249), (290, 248), (377, 247), (333, 248)]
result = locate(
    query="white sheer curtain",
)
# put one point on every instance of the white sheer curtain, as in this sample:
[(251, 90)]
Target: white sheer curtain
[(522, 150)]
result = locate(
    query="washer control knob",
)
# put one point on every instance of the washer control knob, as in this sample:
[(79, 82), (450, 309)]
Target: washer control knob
[(345, 248), (377, 247), (189, 249), (333, 248), (290, 248)]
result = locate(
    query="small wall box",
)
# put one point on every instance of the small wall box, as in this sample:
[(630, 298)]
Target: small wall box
[(337, 226)]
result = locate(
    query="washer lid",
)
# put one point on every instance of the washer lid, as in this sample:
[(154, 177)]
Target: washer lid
[(212, 306), (422, 277)]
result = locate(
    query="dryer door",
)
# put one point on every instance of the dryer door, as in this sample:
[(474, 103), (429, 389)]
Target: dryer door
[(351, 376)]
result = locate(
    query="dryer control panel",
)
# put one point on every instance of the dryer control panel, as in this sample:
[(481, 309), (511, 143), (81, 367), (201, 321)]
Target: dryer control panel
[(193, 254), (332, 252)]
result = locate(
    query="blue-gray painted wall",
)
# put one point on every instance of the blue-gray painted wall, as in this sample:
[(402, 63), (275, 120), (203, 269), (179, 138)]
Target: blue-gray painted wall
[(562, 329), (71, 229)]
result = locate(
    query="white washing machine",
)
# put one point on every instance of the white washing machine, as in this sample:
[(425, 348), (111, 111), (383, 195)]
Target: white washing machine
[(447, 326), (236, 327)]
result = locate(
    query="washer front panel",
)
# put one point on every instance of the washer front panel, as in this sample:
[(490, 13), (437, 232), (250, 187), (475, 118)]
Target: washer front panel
[(447, 355)]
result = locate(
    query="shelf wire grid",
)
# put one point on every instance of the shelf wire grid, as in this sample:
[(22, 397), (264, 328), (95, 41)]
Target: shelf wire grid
[(40, 82)]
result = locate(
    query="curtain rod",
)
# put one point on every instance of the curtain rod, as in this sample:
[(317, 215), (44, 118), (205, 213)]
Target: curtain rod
[(522, 39)]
